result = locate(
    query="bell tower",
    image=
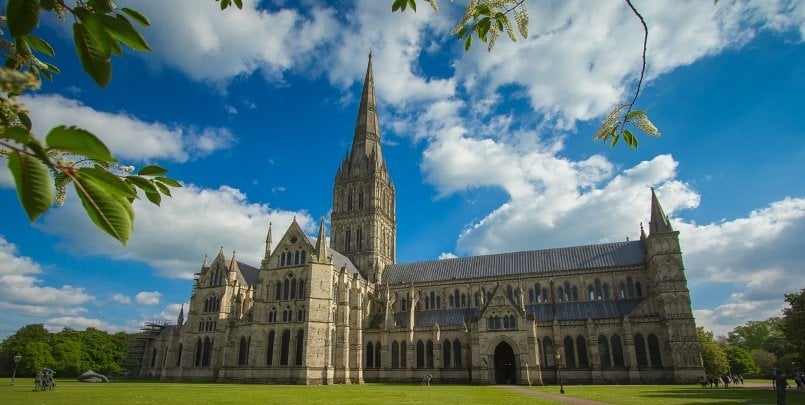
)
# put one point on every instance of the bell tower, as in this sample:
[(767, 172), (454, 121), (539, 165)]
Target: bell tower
[(363, 220)]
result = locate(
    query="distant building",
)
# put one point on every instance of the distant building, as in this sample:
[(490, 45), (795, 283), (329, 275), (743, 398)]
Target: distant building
[(347, 313)]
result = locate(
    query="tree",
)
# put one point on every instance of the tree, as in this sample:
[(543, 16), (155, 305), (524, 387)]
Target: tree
[(713, 356), (793, 326), (70, 155), (67, 355), (35, 356), (15, 344), (758, 335), (764, 359), (740, 360)]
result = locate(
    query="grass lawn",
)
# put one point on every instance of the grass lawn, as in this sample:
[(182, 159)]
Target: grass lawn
[(676, 394), (142, 392), (129, 392)]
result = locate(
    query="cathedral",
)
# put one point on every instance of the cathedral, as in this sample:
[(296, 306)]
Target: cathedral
[(345, 312)]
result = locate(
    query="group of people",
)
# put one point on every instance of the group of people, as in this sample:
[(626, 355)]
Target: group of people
[(800, 380), (714, 381), (44, 380)]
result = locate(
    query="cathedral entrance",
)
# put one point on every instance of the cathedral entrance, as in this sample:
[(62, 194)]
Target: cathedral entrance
[(505, 370)]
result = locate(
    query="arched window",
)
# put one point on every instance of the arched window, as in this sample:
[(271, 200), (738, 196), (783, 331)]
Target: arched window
[(197, 360), (590, 293), (403, 354), (154, 357), (630, 287), (427, 302), (617, 351), (359, 238), (544, 295), (654, 350), (640, 350), (304, 258), (293, 288), (300, 315), (205, 356), (429, 354), (463, 300), (179, 355), (570, 354), (603, 351), (284, 347), (278, 296), (530, 295), (243, 351), (575, 293), (638, 289), (286, 286), (451, 302), (370, 355), (456, 353), (548, 354), (506, 322), (438, 302), (537, 293), (560, 292), (296, 257), (377, 354), (300, 346), (581, 347), (282, 259), (395, 355), (446, 354), (270, 349), (622, 290), (301, 294), (420, 354)]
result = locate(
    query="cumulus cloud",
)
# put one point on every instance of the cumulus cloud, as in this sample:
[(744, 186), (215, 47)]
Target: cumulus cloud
[(79, 323), (208, 44), (173, 241), (127, 136), (147, 297), (583, 58), (446, 255), (121, 298), (22, 291)]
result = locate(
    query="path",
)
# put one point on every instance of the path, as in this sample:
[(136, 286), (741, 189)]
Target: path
[(546, 395)]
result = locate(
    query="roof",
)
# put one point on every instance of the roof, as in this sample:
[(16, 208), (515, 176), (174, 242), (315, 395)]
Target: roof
[(455, 316), (248, 275), (339, 260), (519, 263), (580, 310)]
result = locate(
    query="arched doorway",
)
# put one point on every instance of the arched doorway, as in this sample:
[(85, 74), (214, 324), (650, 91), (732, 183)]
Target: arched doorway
[(505, 370)]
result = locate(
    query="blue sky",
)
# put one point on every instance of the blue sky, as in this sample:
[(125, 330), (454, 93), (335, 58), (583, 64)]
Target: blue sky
[(490, 152)]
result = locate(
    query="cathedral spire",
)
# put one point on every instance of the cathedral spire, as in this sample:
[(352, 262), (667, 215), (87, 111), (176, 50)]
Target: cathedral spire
[(367, 128), (232, 262), (321, 243), (268, 243), (180, 320), (659, 222)]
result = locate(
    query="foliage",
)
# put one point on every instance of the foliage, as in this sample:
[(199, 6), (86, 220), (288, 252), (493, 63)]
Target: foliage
[(764, 359), (766, 335), (740, 360), (70, 155), (68, 352), (713, 356), (793, 325), (486, 19)]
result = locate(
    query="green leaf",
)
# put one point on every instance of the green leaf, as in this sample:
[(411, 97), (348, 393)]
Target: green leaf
[(163, 189), (630, 139), (103, 6), (155, 198), (109, 182), (112, 214), (634, 114), (152, 170), (121, 29), (52, 68), (47, 5), (39, 45), (32, 182), (137, 16), (614, 141), (412, 4), (398, 5), (168, 181), (463, 31), (22, 16), (78, 141), (239, 5), (467, 43), (93, 54), (143, 183), (224, 4), (25, 120), (18, 134)]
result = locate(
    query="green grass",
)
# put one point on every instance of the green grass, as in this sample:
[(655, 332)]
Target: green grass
[(128, 392), (149, 392), (677, 394)]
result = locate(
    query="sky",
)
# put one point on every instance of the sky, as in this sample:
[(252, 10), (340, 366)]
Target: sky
[(254, 109)]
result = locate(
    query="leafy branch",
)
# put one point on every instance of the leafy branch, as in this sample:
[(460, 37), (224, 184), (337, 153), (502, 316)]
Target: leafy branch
[(70, 155)]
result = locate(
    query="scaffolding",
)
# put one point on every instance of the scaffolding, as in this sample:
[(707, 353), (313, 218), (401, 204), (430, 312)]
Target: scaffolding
[(136, 344)]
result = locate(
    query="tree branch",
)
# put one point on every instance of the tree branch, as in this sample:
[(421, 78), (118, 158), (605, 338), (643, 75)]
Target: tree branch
[(643, 66)]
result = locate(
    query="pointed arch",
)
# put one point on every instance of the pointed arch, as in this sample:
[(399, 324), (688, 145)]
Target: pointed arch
[(395, 355), (581, 348), (300, 346), (548, 352), (446, 354), (377, 354), (420, 354), (457, 353), (640, 350), (270, 349), (207, 353), (285, 344), (243, 351), (617, 351), (370, 355), (603, 352), (655, 356), (570, 354)]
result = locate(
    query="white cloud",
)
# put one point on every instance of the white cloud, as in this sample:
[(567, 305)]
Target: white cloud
[(583, 58), (173, 241), (54, 325), (127, 136), (21, 291), (121, 298), (446, 255), (148, 297), (211, 45)]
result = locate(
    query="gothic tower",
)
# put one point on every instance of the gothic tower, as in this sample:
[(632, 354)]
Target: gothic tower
[(363, 220), (672, 297)]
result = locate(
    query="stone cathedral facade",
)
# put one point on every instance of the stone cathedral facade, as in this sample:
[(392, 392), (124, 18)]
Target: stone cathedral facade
[(346, 312)]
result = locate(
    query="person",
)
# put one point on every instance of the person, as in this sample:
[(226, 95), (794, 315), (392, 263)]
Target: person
[(726, 380), (781, 383), (703, 381)]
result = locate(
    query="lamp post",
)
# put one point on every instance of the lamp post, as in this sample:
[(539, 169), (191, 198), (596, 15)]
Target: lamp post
[(559, 371), (17, 359)]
